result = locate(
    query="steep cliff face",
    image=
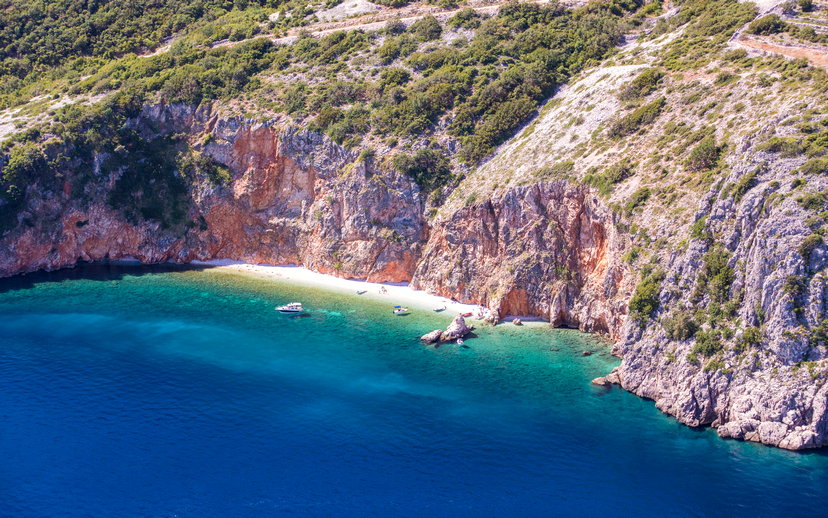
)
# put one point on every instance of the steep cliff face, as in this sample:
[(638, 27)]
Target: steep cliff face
[(294, 197), (550, 250), (766, 386)]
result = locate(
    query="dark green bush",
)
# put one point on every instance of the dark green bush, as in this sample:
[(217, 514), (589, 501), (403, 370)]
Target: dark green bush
[(705, 155), (716, 275), (708, 343), (427, 167), (644, 302), (813, 200), (769, 24), (751, 337), (394, 77), (815, 166), (426, 28), (637, 199), (465, 19), (680, 326)]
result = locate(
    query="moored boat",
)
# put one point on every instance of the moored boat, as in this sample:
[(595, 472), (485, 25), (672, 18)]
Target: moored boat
[(399, 310), (292, 307)]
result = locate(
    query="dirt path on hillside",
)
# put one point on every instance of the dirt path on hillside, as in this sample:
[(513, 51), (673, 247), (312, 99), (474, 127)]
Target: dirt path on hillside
[(815, 56), (377, 20)]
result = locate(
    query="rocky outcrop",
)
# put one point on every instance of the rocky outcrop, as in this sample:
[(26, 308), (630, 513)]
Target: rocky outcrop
[(457, 329), (550, 250)]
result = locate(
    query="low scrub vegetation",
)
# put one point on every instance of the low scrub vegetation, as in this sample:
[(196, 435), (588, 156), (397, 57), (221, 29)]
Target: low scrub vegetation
[(644, 302)]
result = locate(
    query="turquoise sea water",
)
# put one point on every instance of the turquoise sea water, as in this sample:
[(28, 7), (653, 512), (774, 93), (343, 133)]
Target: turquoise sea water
[(137, 391)]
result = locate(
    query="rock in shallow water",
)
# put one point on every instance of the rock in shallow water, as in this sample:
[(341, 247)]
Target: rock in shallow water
[(457, 329), (432, 337)]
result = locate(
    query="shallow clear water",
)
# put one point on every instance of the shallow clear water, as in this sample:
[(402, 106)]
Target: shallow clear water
[(136, 391)]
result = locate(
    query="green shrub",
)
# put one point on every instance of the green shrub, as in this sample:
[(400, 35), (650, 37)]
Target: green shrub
[(680, 326), (809, 244), (394, 77), (743, 185), (814, 166), (637, 199), (806, 6), (616, 173), (396, 47), (794, 286), (716, 275), (644, 84), (639, 117), (644, 302), (698, 231), (466, 19), (426, 28), (751, 337), (769, 24), (427, 167), (708, 343), (705, 155), (813, 200), (787, 146)]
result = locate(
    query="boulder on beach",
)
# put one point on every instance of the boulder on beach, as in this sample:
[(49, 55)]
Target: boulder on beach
[(517, 322)]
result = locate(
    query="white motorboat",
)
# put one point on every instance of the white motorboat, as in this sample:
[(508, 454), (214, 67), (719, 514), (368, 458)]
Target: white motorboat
[(293, 307), (362, 292), (399, 310), (441, 308)]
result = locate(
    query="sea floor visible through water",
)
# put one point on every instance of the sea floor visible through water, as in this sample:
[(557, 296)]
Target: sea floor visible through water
[(171, 391)]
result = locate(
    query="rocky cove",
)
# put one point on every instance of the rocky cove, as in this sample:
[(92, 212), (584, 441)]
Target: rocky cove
[(551, 249)]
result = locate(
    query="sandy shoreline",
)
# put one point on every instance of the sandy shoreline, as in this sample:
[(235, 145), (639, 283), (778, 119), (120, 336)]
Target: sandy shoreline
[(395, 294)]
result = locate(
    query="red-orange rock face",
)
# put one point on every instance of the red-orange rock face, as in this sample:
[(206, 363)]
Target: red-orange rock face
[(549, 250), (295, 198)]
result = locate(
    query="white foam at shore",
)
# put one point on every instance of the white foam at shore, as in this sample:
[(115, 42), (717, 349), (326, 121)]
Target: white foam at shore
[(396, 293)]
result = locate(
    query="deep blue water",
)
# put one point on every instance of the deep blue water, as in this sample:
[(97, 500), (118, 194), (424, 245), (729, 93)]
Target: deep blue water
[(134, 391)]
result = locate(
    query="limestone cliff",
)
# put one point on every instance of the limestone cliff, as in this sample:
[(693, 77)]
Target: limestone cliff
[(294, 197)]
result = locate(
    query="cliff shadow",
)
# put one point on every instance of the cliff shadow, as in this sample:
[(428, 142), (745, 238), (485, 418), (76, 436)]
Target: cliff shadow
[(97, 271)]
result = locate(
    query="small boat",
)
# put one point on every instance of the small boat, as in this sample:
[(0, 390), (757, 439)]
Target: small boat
[(293, 307), (399, 310), (362, 292), (459, 341), (466, 315), (441, 308)]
